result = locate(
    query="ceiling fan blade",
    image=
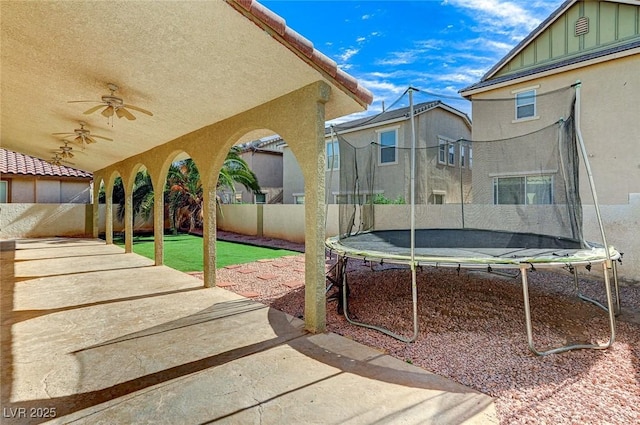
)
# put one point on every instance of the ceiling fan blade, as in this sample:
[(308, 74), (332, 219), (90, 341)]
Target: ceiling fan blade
[(83, 101), (62, 134), (95, 136), (136, 108), (88, 139), (92, 110), (122, 112), (108, 111)]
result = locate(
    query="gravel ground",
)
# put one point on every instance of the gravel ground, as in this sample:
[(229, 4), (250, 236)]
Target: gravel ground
[(471, 330)]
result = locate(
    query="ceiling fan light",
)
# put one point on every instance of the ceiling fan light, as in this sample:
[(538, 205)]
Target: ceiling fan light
[(108, 111)]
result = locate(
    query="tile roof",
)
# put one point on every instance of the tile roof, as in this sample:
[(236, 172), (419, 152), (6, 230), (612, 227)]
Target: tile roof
[(298, 44), (21, 164), (395, 114)]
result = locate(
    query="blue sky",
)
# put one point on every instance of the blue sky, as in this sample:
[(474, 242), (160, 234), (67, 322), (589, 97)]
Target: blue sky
[(438, 46)]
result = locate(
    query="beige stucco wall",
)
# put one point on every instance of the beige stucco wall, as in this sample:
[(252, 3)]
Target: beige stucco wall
[(49, 191), (609, 122), (44, 220)]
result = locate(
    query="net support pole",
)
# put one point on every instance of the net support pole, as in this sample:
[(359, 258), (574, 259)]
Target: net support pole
[(587, 166), (592, 185), (414, 285)]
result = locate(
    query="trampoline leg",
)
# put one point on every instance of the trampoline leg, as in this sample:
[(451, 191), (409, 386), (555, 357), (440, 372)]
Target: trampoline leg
[(616, 307), (414, 298), (616, 287), (610, 310)]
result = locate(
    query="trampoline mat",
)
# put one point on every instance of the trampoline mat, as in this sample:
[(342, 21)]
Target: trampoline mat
[(465, 245)]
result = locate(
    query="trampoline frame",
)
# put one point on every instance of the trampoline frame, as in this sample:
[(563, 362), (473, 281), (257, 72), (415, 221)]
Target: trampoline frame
[(612, 307)]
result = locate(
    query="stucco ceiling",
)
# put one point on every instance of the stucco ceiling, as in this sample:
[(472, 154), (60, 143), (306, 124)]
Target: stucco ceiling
[(191, 63)]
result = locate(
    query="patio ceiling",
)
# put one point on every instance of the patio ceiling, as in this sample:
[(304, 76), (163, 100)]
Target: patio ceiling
[(191, 63)]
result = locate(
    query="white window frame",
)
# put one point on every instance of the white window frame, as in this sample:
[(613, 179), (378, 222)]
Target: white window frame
[(525, 177), (442, 151), (451, 154), (349, 197), (380, 147), (5, 199), (439, 193), (534, 101), (463, 157), (255, 198), (333, 160), (470, 156), (297, 197)]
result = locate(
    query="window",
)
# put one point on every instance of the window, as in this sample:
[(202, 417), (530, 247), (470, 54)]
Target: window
[(298, 198), (470, 156), (4, 191), (452, 154), (442, 151), (333, 156), (462, 156), (261, 198), (525, 104), (525, 190), (438, 199), (388, 142), (238, 198)]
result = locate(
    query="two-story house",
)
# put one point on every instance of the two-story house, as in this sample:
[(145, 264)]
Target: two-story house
[(595, 43), (445, 161), (264, 158)]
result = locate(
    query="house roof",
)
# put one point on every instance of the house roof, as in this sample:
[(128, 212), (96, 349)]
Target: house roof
[(193, 64), (20, 164), (397, 114), (489, 79)]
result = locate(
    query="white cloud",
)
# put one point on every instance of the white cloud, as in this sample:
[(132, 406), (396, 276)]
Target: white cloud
[(348, 54), (511, 19)]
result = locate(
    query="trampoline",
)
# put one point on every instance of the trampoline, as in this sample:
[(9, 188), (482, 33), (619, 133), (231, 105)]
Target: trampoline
[(520, 208)]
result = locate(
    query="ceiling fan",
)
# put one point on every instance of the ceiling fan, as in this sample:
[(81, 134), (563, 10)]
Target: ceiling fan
[(113, 105), (65, 151), (83, 135), (58, 160)]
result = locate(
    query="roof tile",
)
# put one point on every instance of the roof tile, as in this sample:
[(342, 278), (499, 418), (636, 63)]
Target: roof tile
[(21, 164)]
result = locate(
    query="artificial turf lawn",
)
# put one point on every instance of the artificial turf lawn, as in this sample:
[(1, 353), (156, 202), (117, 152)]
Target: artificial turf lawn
[(184, 252)]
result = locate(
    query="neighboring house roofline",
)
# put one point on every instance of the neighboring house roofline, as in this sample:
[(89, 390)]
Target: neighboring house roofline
[(553, 68), (528, 39), (394, 116), (15, 164), (487, 81)]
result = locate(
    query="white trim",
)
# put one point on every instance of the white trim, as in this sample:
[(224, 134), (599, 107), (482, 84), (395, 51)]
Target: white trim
[(549, 72), (516, 91), (396, 130), (534, 102), (523, 173)]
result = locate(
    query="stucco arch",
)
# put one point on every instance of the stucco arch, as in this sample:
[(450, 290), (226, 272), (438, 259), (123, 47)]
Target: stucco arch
[(108, 213), (299, 118)]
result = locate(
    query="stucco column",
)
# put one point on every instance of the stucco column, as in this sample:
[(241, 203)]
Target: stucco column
[(158, 221), (95, 209), (108, 214), (128, 221), (209, 234), (315, 303)]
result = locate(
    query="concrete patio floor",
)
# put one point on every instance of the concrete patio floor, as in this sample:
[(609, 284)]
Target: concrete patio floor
[(92, 335)]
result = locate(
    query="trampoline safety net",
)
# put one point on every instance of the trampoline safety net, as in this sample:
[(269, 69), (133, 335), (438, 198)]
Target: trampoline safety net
[(527, 185)]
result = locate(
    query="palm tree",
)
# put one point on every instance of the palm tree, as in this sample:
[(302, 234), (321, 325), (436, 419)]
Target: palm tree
[(183, 192), (236, 170), (184, 195)]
